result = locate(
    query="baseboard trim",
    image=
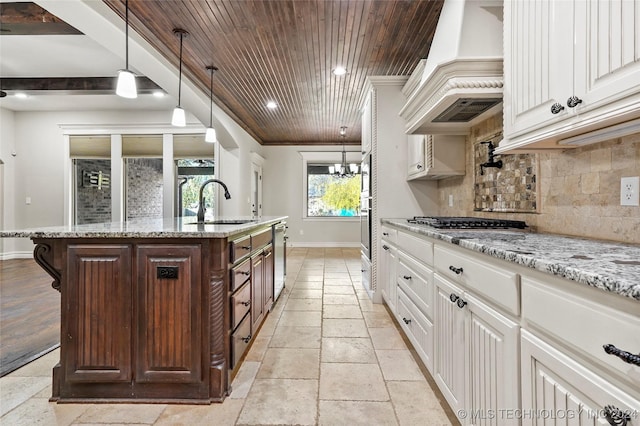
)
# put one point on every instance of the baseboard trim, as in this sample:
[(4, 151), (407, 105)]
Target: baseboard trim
[(322, 245), (16, 255)]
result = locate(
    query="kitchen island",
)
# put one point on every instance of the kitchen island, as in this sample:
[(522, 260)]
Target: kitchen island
[(153, 310)]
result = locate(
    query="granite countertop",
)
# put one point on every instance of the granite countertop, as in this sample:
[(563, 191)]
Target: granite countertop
[(147, 228), (610, 266)]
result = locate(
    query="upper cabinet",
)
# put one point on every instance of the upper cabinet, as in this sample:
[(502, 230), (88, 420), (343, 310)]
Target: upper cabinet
[(367, 122), (435, 156), (570, 68)]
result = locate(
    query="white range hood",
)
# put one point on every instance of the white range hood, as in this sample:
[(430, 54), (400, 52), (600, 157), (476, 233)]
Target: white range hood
[(460, 83)]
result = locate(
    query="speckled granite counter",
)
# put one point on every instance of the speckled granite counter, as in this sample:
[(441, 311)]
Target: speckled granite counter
[(606, 265), (146, 228)]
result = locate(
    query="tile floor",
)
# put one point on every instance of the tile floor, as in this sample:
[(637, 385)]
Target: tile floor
[(325, 355)]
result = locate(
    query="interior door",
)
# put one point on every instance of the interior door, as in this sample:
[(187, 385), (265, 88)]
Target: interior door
[(256, 190)]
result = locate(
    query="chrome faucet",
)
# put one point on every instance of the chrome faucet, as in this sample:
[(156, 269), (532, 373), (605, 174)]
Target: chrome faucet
[(201, 208), (491, 162)]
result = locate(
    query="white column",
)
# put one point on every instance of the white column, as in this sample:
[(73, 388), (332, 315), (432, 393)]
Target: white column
[(168, 177), (117, 179)]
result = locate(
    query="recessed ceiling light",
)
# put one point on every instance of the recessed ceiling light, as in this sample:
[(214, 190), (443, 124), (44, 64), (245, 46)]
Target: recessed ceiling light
[(272, 105), (158, 94), (21, 95), (339, 70)]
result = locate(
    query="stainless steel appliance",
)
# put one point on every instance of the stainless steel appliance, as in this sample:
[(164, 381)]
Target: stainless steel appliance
[(449, 222), (279, 258), (365, 207)]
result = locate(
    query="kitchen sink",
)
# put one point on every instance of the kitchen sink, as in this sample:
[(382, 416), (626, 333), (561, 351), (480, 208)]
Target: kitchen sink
[(224, 222)]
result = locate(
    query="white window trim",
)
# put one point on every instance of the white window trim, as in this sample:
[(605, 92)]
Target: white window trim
[(325, 157)]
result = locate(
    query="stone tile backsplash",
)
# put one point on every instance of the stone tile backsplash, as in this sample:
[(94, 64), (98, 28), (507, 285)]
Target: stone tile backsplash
[(577, 190)]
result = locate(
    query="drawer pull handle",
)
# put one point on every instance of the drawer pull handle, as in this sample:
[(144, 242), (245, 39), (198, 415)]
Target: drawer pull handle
[(406, 277), (615, 416), (247, 303), (246, 339), (245, 247), (406, 321), (244, 272), (573, 101), (458, 271), (556, 108), (386, 234), (386, 247), (461, 303), (453, 297), (623, 355)]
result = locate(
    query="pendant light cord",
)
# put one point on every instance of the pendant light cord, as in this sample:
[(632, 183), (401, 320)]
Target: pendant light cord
[(211, 99), (180, 72), (126, 35)]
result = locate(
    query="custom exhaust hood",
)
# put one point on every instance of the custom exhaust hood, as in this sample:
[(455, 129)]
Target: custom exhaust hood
[(460, 83)]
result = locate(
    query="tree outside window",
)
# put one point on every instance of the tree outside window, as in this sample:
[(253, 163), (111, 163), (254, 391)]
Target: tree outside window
[(331, 195)]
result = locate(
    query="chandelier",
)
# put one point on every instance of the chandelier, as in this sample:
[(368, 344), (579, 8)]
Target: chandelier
[(343, 169)]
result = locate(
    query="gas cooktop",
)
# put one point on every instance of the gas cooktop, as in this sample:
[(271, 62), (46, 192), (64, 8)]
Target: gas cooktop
[(448, 222)]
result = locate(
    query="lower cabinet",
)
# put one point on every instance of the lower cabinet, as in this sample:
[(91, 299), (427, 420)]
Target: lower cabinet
[(476, 356), (418, 328), (387, 274), (558, 388), (257, 290)]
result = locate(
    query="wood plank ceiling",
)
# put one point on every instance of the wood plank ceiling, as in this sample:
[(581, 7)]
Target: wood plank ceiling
[(284, 51)]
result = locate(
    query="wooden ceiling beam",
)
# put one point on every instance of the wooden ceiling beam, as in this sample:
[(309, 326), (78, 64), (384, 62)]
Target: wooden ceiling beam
[(88, 85)]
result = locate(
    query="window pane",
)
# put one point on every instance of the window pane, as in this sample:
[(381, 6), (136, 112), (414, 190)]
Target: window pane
[(191, 175), (332, 195), (92, 191)]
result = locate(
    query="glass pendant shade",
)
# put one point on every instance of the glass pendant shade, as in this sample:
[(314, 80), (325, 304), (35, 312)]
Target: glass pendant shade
[(178, 118), (210, 135), (332, 169), (126, 86)]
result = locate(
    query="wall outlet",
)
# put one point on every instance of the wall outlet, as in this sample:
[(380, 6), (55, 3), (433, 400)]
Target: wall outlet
[(450, 200), (27, 200), (629, 191)]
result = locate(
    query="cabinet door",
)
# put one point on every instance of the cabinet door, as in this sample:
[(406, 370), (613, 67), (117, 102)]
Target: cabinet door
[(415, 155), (492, 361), (367, 122), (449, 345), (267, 284), (97, 338), (392, 266), (169, 324), (257, 290), (555, 384)]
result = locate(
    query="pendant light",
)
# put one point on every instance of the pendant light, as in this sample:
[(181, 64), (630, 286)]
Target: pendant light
[(126, 86), (210, 135), (179, 118), (343, 169)]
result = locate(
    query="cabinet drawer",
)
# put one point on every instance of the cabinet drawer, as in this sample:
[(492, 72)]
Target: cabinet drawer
[(499, 285), (240, 340), (240, 274), (389, 234), (240, 305), (584, 325), (239, 248), (418, 328), (261, 239), (416, 247), (417, 282)]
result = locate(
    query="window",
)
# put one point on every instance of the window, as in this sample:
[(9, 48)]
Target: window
[(327, 194)]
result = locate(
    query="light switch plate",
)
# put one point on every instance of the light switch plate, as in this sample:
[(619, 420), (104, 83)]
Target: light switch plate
[(629, 191)]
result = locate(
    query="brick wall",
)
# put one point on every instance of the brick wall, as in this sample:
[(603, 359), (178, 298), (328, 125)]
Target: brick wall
[(93, 205), (144, 187)]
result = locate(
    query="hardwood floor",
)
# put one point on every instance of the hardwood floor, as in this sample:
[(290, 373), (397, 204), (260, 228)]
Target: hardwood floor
[(29, 314)]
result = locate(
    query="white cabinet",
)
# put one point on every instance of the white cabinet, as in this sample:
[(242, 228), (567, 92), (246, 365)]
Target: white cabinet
[(476, 356), (367, 123), (387, 273), (418, 328), (571, 67), (558, 390), (435, 156)]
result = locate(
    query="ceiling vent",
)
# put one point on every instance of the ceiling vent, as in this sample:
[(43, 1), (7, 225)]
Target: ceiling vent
[(460, 83)]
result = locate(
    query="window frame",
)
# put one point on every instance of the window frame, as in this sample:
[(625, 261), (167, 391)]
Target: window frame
[(328, 157)]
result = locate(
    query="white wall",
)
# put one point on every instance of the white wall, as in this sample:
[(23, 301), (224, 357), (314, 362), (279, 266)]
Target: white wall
[(7, 146), (283, 186)]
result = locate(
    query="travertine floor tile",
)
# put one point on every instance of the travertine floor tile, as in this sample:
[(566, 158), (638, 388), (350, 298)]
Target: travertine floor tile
[(340, 299), (39, 411), (398, 365), (365, 413), (378, 319), (303, 305), (296, 337), (41, 367), (338, 289), (337, 275), (281, 402), (314, 285), (301, 319), (347, 327), (285, 363), (16, 390), (414, 402), (224, 414), (258, 348), (305, 293), (387, 338), (339, 281), (352, 382), (341, 311), (244, 379), (125, 413), (346, 349)]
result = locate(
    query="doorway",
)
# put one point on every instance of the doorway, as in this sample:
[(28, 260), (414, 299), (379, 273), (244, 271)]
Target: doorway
[(256, 190)]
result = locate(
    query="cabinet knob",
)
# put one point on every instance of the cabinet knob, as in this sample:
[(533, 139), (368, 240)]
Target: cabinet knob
[(419, 166), (458, 271), (556, 108), (386, 247), (461, 303), (406, 321), (386, 234), (453, 297), (406, 277), (623, 355), (246, 339), (573, 101), (615, 416), (247, 303)]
